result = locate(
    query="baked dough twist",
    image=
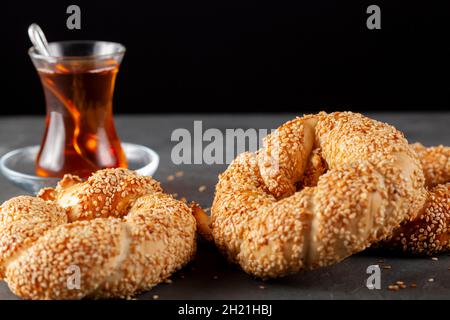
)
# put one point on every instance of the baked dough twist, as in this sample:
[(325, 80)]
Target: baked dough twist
[(277, 211), (428, 231), (118, 229)]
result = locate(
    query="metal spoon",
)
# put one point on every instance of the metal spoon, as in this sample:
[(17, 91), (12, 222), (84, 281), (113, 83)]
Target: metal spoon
[(38, 39)]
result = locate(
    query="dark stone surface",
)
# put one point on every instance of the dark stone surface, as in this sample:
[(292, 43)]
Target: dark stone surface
[(209, 276)]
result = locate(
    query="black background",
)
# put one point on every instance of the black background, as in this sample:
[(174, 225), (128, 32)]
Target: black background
[(243, 56)]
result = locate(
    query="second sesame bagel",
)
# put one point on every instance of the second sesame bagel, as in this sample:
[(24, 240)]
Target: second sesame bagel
[(428, 231), (323, 187), (118, 231)]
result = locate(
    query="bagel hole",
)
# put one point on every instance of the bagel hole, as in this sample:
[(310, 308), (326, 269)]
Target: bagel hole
[(315, 167)]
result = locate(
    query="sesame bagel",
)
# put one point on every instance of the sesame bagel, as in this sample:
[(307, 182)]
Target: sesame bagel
[(323, 187), (118, 230), (428, 231)]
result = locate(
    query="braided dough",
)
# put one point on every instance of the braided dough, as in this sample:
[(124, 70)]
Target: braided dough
[(123, 233), (323, 187)]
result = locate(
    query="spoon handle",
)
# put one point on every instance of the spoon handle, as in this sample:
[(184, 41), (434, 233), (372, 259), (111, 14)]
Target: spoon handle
[(38, 39)]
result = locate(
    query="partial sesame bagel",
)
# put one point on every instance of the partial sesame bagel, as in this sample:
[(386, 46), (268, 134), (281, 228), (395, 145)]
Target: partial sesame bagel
[(435, 163), (323, 187), (428, 232), (117, 230)]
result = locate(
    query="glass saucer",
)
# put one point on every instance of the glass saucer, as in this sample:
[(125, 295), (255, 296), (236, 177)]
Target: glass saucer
[(18, 165)]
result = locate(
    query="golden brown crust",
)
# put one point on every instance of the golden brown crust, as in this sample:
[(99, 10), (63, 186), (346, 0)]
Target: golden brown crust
[(42, 271), (137, 238), (107, 193), (435, 163), (428, 231), (161, 235), (285, 154), (374, 181), (23, 220)]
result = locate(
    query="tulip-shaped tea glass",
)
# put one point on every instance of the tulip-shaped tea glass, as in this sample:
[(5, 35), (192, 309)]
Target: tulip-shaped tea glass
[(78, 80)]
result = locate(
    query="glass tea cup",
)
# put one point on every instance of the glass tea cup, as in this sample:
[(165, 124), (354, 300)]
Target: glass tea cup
[(78, 80)]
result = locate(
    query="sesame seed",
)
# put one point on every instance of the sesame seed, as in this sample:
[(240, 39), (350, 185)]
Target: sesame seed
[(179, 173), (276, 194), (116, 208), (393, 287), (202, 188), (426, 231)]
